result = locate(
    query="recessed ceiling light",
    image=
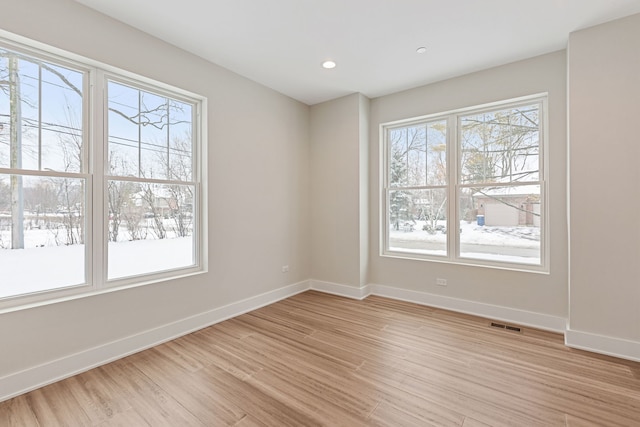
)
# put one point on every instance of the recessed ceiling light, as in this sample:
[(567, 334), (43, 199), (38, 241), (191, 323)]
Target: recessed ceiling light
[(329, 64), (421, 49)]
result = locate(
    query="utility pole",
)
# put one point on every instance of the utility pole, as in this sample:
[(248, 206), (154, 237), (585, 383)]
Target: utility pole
[(15, 149)]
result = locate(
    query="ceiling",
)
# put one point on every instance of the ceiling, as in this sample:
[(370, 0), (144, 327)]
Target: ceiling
[(282, 43)]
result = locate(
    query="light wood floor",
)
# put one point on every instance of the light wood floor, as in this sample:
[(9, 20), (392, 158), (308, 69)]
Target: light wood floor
[(316, 359)]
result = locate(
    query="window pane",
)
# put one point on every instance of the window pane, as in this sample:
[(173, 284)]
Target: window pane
[(418, 155), (149, 135), (181, 142), (150, 228), (124, 153), (154, 113), (61, 134), (41, 114), (501, 146), (42, 233), (501, 223), (418, 221)]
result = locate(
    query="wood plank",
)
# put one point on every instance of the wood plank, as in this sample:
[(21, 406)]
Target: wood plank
[(100, 401), (17, 413), (470, 422), (146, 397), (209, 353), (406, 413), (306, 398), (249, 421), (55, 405), (125, 419), (259, 405), (194, 391), (317, 359)]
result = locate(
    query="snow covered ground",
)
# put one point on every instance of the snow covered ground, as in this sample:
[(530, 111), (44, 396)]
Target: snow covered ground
[(512, 244), (525, 237), (45, 265), (35, 269)]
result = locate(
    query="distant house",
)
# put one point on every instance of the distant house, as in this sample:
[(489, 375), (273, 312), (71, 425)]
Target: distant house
[(509, 206)]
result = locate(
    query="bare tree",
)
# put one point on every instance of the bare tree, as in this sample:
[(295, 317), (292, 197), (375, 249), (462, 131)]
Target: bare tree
[(133, 216), (179, 164), (42, 199), (119, 197), (70, 193), (417, 160), (159, 156), (149, 195), (11, 86), (153, 111), (499, 149), (5, 205), (5, 196)]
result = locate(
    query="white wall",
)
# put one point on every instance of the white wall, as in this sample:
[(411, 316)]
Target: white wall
[(339, 194), (542, 294), (604, 108), (308, 194), (258, 161)]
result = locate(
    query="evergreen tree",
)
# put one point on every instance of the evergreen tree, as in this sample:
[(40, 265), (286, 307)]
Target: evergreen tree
[(399, 201)]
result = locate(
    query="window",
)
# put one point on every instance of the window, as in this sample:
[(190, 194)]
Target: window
[(88, 204), (480, 168), (150, 182)]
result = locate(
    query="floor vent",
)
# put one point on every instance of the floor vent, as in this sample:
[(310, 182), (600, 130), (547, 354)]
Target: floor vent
[(507, 327)]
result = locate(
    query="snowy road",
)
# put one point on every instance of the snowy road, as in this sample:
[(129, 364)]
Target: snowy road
[(417, 245)]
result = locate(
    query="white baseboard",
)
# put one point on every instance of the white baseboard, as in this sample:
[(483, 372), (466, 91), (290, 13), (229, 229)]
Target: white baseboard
[(341, 290), (495, 312), (611, 346), (30, 379), (24, 381)]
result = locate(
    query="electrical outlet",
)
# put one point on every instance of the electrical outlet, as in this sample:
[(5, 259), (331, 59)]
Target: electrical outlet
[(441, 282), (285, 268)]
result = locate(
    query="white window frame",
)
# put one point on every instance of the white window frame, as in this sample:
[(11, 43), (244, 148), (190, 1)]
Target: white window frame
[(454, 184), (95, 146)]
